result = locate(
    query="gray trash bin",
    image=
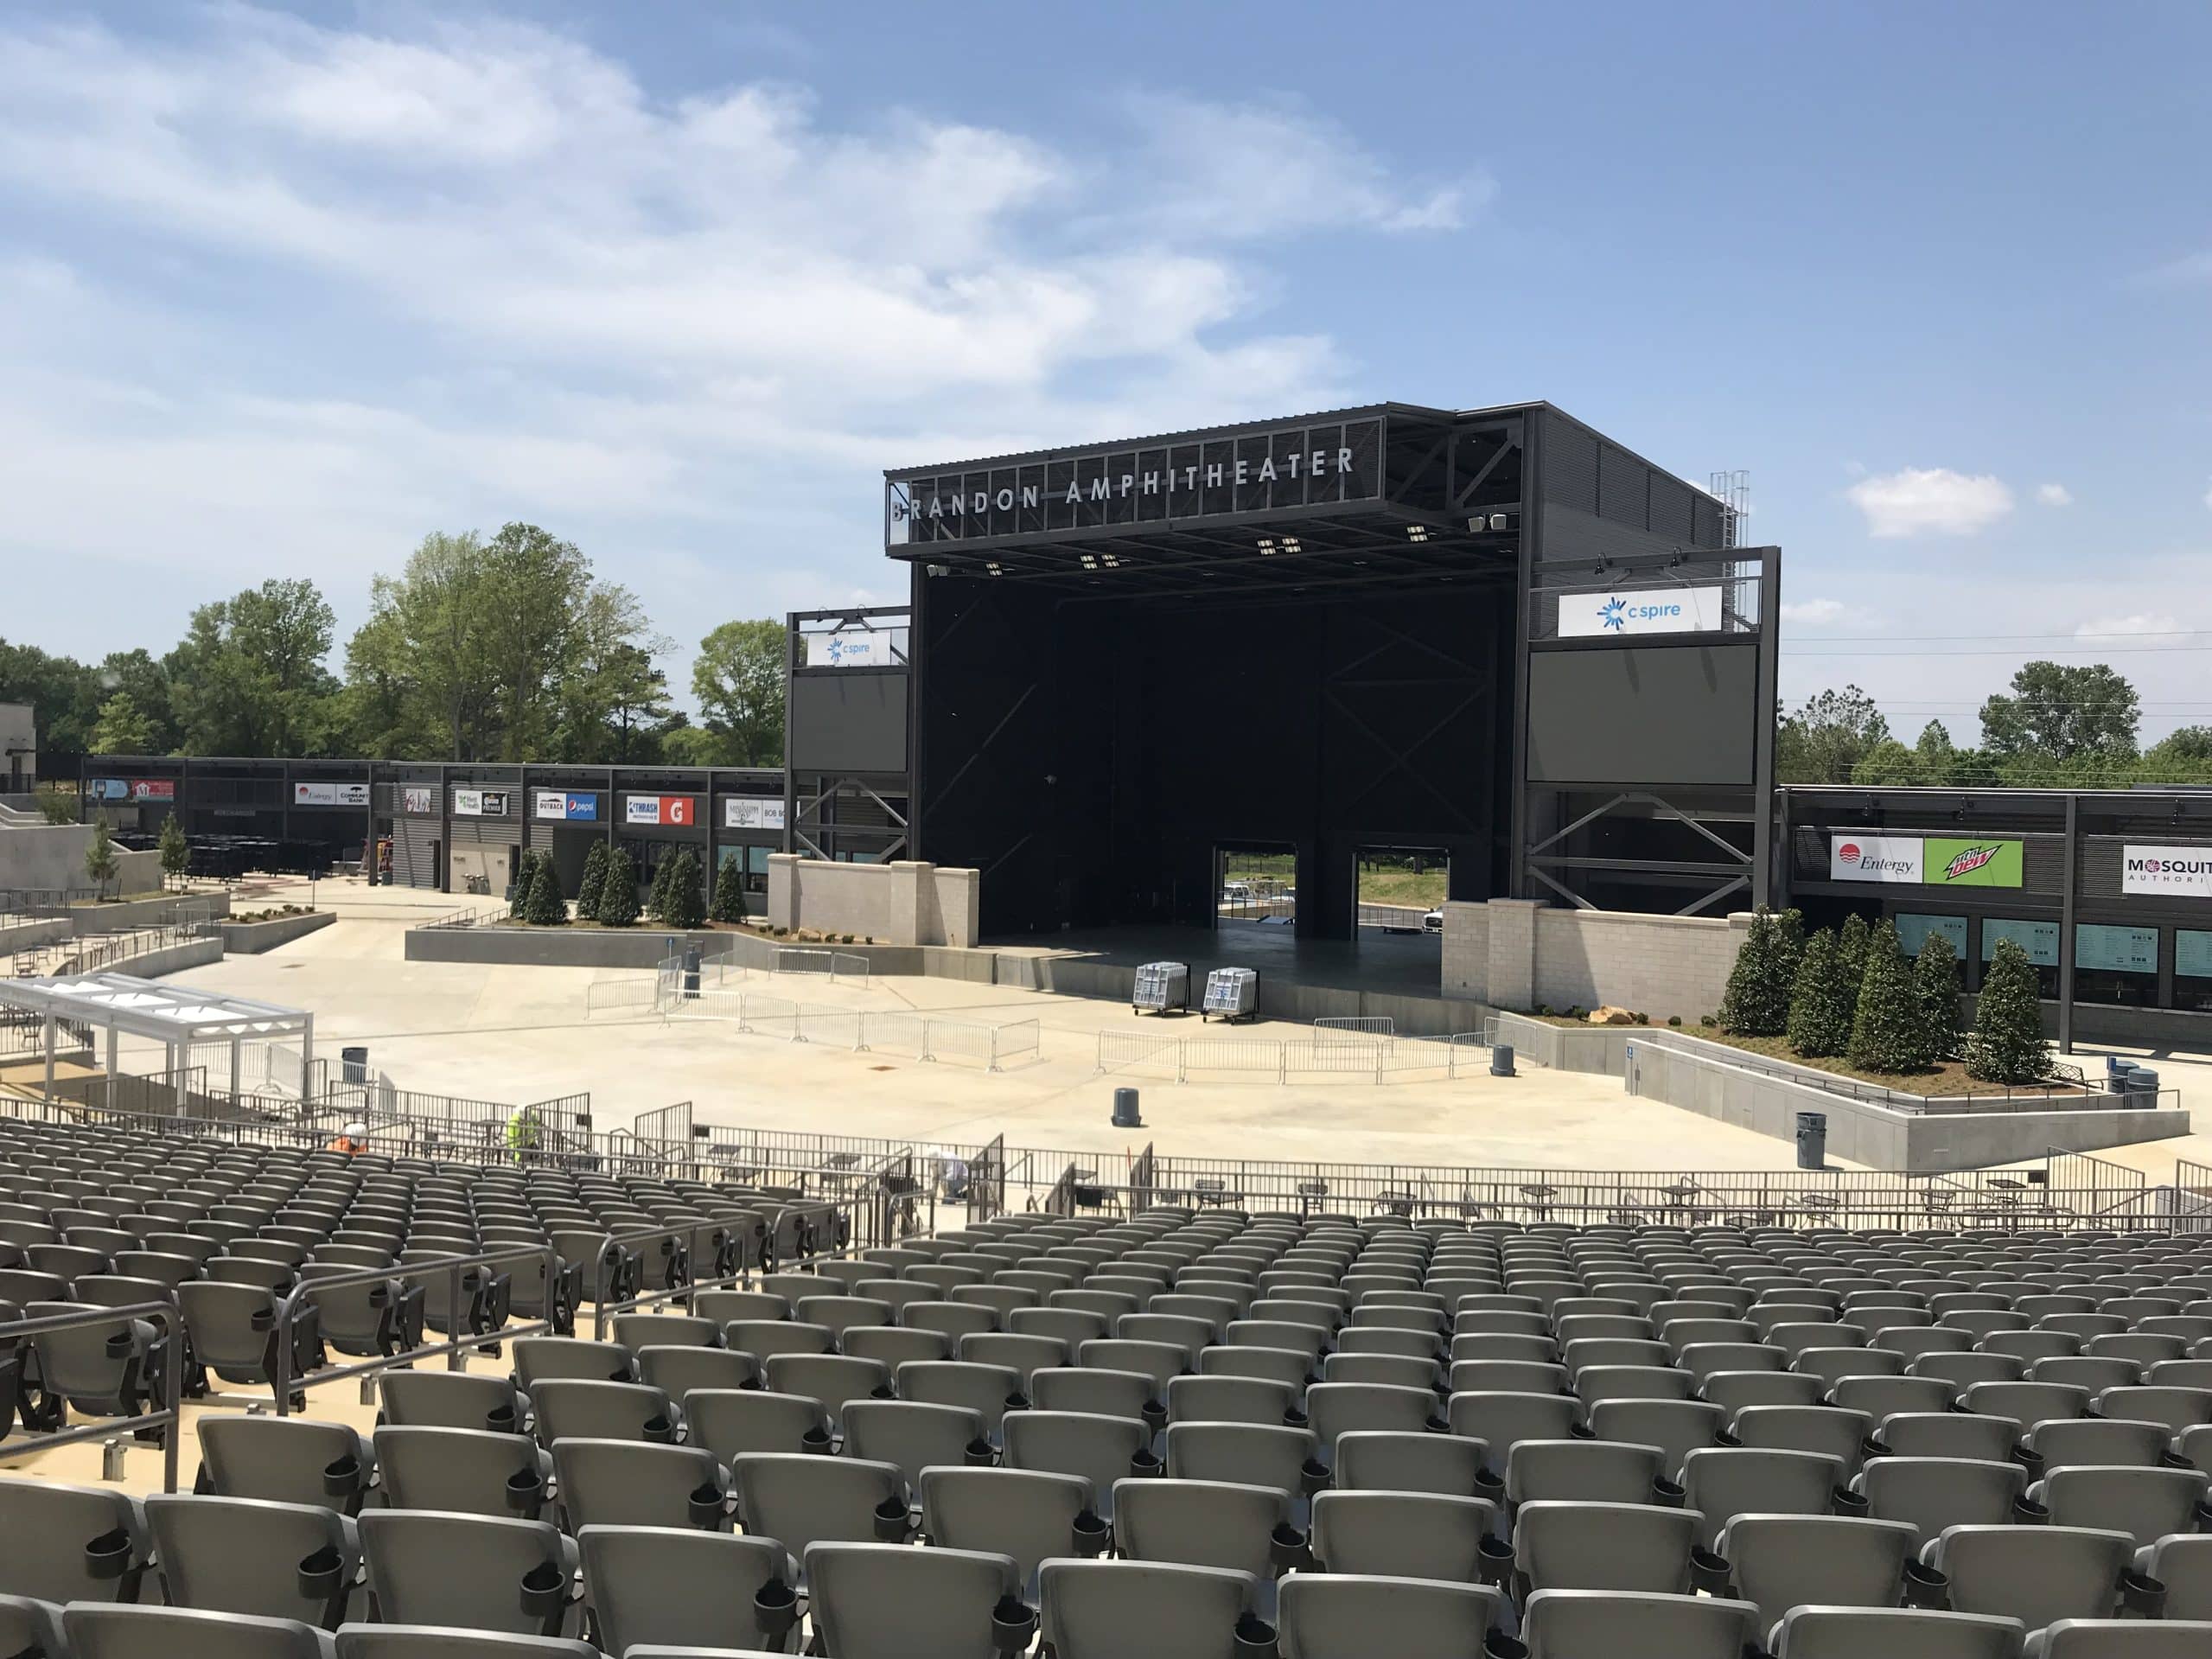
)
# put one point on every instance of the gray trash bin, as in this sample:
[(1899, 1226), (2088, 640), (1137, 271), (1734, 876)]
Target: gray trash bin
[(1812, 1141), (2143, 1087), (1124, 1110), (1501, 1059), (690, 972)]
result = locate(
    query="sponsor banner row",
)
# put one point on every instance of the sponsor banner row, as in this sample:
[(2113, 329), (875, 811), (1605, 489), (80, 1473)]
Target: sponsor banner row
[(330, 795), (565, 806), (130, 788), (1926, 860), (583, 807)]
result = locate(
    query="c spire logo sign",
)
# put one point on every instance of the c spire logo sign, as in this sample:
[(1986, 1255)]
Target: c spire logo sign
[(1646, 610)]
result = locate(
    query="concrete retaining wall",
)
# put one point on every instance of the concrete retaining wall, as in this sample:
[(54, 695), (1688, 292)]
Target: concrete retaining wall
[(1520, 953), (45, 857), (87, 919), (1600, 1049), (252, 938), (173, 959), (1878, 1137), (900, 904), (25, 935)]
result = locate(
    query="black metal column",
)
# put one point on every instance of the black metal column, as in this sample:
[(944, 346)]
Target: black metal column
[(2066, 928)]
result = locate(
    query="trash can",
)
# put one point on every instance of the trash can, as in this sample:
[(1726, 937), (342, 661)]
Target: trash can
[(1124, 1110), (1501, 1059), (691, 972), (1812, 1141), (2143, 1087), (354, 1064)]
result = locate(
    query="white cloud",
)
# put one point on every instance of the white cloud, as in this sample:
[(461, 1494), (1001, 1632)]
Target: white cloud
[(2054, 495), (2158, 629), (1930, 499), (392, 277)]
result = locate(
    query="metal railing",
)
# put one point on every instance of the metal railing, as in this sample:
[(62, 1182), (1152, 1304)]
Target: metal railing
[(469, 916), (1337, 1053), (866, 1030), (167, 1417), (92, 952), (840, 966)]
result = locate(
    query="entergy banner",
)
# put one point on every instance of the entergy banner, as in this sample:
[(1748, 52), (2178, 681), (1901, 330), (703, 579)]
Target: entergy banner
[(1647, 611), (2180, 871), (330, 795), (752, 812), (676, 811), (1856, 856)]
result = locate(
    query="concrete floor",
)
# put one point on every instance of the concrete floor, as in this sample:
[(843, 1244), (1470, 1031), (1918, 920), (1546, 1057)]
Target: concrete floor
[(519, 1034)]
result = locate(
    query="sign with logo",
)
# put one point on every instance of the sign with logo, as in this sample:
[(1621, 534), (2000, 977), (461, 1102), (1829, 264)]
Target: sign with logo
[(330, 795), (752, 812), (2038, 938), (1913, 931), (675, 811), (1853, 856), (2180, 871), (2192, 953), (1196, 477), (570, 808), (416, 799), (481, 803), (857, 647), (131, 789), (2117, 950), (1648, 611), (1950, 862)]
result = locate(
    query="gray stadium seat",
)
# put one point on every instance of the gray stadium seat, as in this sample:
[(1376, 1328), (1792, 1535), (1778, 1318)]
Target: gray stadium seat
[(246, 1555), (424, 1641), (112, 1632), (1823, 1632), (1341, 1616), (2091, 1638), (1402, 1535), (467, 1471), (1111, 1610), (61, 1543), (882, 1601), (630, 1483), (677, 1587), (2035, 1575), (1605, 1625)]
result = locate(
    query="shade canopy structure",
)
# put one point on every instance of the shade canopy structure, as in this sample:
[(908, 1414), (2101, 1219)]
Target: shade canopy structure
[(176, 1016)]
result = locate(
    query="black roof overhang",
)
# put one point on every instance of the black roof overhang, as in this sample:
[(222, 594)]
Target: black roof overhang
[(1431, 526)]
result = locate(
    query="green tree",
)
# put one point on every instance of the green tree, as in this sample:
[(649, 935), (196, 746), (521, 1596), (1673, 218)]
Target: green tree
[(595, 877), (683, 901), (1887, 1031), (738, 677), (101, 862), (617, 906), (2182, 755), (137, 675), (1789, 942), (729, 890), (525, 870), (1756, 1003), (64, 694), (2006, 1044), (121, 729), (1820, 1001), (656, 899), (55, 804), (1825, 737), (176, 852), (1889, 765), (544, 906), (1936, 990), (249, 677), (2059, 712), (1851, 949)]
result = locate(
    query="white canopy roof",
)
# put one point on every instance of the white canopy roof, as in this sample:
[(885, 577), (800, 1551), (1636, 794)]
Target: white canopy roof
[(171, 1013)]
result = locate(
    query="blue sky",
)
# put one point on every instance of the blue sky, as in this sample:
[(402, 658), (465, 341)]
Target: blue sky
[(283, 289)]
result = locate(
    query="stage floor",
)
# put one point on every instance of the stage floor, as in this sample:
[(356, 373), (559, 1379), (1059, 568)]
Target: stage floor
[(1394, 964)]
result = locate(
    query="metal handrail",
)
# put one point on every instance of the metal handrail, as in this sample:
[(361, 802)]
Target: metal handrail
[(288, 1308), (602, 1310), (171, 1417)]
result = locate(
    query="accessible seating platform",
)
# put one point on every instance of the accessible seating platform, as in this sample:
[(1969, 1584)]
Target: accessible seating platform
[(1213, 1436)]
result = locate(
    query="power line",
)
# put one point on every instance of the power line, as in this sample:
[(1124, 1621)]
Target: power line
[(2128, 634), (2053, 650)]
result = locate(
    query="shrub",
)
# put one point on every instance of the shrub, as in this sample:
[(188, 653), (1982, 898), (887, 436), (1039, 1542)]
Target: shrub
[(1756, 1003), (55, 805), (1935, 988), (729, 891), (656, 901), (1643, 1020), (1886, 1031), (544, 906), (1674, 1020), (595, 876), (2006, 1045), (1790, 942), (525, 871), (617, 906), (1851, 943), (1708, 1021), (176, 852), (682, 894), (1820, 1001)]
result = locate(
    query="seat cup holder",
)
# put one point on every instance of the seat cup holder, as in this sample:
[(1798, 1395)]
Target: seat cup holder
[(1666, 1495), (706, 1507), (979, 1454), (775, 1609), (501, 1421), (815, 1439), (1313, 1475), (1091, 1534), (659, 1431), (1497, 1645), (1145, 1463), (2030, 1460), (320, 1573), (1436, 1425), (1845, 1502), (108, 1556), (883, 1391), (2026, 1512), (1013, 1622), (1155, 1414), (526, 1493), (1490, 1486), (1926, 1589), (1254, 1638), (1287, 1547), (893, 1521), (342, 1479), (1494, 1560), (544, 1592), (1581, 1432), (1294, 1417), (2142, 1596), (1710, 1572)]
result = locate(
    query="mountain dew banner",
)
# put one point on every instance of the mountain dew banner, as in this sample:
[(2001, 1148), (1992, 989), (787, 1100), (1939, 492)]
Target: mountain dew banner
[(1947, 862)]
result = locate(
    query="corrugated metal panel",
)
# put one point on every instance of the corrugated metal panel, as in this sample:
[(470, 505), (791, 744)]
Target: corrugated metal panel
[(1569, 464), (1671, 513), (1623, 490)]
